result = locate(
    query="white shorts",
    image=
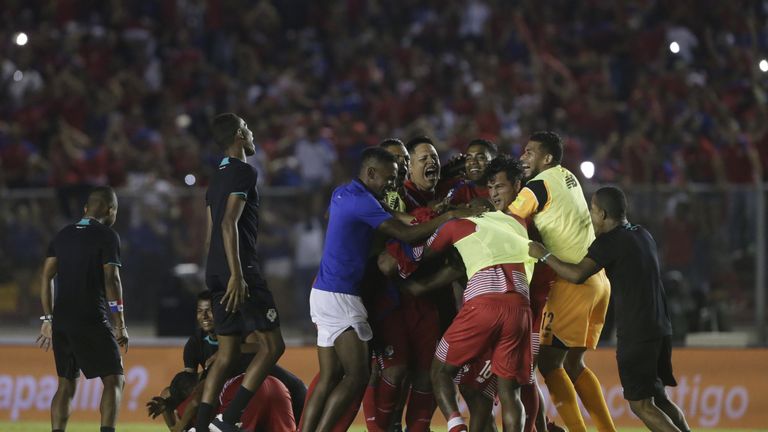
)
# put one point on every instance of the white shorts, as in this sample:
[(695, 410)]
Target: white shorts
[(334, 313)]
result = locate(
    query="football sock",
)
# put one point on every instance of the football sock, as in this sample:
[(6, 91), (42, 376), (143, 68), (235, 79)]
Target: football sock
[(204, 412), (235, 409), (529, 395), (106, 429), (310, 390), (456, 423), (369, 409), (345, 421), (386, 398), (564, 396), (588, 388), (421, 408)]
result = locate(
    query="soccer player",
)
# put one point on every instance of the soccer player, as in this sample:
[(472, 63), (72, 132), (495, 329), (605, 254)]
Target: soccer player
[(496, 312), (241, 301), (85, 259), (628, 254), (394, 199), (573, 316), (201, 346), (472, 184), (268, 410), (355, 213)]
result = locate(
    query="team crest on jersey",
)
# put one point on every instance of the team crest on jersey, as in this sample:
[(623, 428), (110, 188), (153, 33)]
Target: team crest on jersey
[(272, 315)]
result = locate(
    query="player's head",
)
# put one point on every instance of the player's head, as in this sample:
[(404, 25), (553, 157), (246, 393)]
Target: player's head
[(607, 209), (205, 311), (378, 170), (398, 150), (504, 176), (229, 131), (544, 150), (479, 152), (181, 387), (102, 205), (425, 163)]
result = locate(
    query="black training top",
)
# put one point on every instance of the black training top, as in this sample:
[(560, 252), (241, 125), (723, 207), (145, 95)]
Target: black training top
[(628, 254), (234, 177), (81, 251), (198, 349)]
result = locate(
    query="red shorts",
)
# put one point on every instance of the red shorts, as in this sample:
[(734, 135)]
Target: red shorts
[(478, 376), (541, 284), (269, 409), (407, 336), (500, 323)]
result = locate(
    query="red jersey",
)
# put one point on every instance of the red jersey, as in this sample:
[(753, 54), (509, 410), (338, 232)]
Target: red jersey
[(269, 409)]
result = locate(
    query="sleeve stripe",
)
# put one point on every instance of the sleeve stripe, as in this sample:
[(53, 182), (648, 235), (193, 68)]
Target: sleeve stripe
[(240, 194), (116, 264), (540, 191)]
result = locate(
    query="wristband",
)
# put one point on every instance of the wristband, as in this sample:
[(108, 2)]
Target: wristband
[(46, 318), (544, 258), (115, 306)]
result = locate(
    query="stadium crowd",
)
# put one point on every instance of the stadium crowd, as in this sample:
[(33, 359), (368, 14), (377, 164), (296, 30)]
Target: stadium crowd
[(655, 93)]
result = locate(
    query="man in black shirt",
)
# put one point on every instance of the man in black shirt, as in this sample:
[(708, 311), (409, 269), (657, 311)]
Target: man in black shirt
[(76, 320), (241, 301), (644, 354), (203, 344)]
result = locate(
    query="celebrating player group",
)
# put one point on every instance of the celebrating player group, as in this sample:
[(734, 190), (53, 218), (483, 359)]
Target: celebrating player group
[(433, 280)]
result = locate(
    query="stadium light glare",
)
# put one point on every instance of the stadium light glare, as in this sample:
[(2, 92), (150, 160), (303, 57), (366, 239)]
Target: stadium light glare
[(21, 39), (588, 169), (18, 76), (674, 47), (190, 180), (764, 65)]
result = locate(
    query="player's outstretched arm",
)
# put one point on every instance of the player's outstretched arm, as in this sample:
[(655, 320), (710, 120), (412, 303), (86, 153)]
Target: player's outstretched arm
[(50, 267), (412, 233), (574, 273), (441, 279), (114, 291), (237, 289)]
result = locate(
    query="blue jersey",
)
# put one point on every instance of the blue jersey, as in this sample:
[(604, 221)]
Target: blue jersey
[(354, 215)]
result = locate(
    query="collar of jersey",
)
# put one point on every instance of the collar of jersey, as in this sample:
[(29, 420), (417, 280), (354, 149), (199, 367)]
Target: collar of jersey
[(211, 341), (224, 162), (85, 221)]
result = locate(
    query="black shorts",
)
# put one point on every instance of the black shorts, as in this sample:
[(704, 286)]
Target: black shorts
[(645, 368), (93, 350), (258, 311)]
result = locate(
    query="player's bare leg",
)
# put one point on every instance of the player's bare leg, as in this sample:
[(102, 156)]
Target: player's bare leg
[(653, 417), (271, 348), (445, 392), (61, 405), (588, 388), (480, 410), (110, 399), (227, 354), (512, 411), (672, 411)]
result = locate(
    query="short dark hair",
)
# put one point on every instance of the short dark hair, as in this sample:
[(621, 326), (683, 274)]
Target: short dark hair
[(613, 201), (504, 163), (224, 127), (204, 295), (181, 387), (490, 147), (416, 141), (551, 143), (101, 195), (376, 155), (391, 142)]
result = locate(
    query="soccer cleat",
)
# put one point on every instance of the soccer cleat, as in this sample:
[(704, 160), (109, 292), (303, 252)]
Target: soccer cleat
[(219, 425)]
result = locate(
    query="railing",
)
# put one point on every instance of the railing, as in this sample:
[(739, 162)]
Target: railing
[(712, 244)]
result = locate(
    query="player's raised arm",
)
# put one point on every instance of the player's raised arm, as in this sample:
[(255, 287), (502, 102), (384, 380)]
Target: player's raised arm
[(46, 298), (412, 233), (574, 273)]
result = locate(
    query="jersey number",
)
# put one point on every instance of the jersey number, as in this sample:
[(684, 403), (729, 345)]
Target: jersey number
[(548, 317), (485, 372)]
